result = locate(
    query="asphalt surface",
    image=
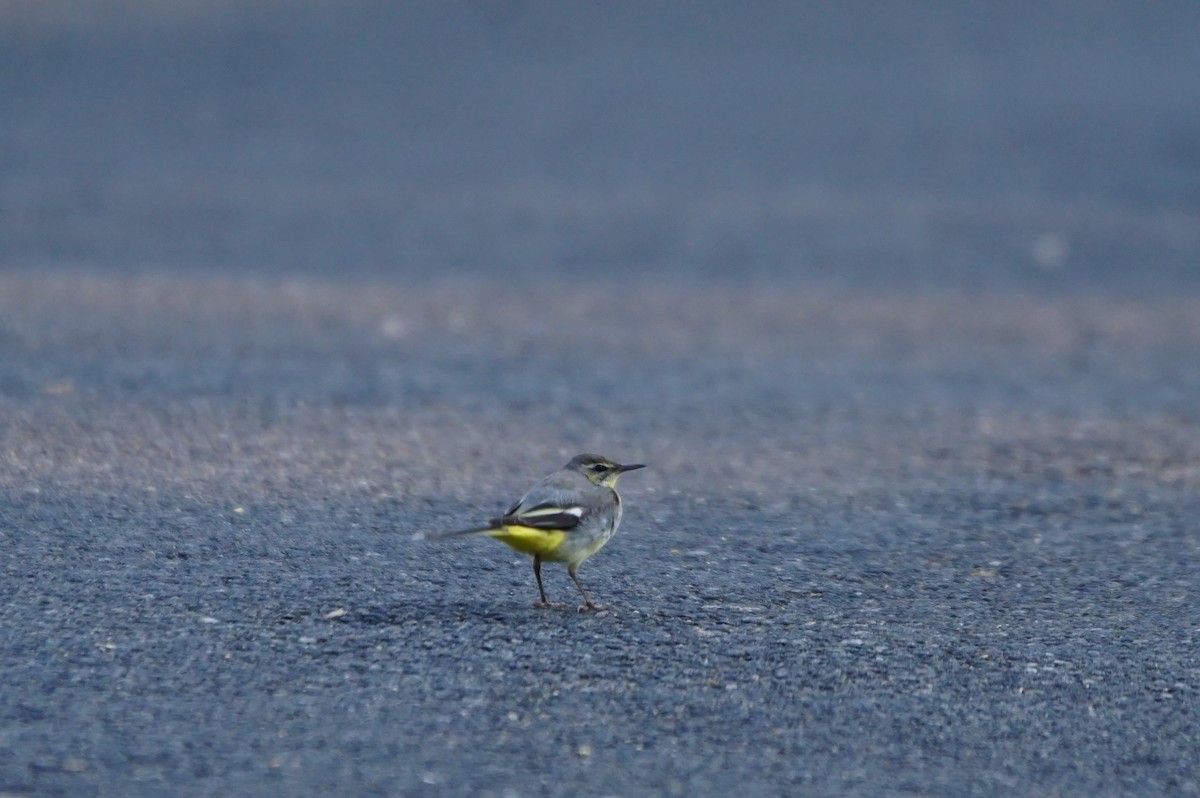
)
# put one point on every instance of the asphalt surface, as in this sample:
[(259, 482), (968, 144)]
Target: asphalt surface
[(900, 305)]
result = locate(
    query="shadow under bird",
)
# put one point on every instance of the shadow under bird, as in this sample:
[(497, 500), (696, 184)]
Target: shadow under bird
[(566, 517)]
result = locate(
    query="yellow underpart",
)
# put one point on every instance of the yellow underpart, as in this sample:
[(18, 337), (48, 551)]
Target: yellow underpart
[(530, 540)]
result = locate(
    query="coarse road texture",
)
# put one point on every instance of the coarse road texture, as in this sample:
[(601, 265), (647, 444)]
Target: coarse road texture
[(900, 305)]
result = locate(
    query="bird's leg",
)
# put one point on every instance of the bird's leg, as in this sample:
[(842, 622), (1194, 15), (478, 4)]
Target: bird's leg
[(537, 572), (572, 569)]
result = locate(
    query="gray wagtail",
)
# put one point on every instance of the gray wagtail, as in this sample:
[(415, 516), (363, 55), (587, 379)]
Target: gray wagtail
[(566, 517)]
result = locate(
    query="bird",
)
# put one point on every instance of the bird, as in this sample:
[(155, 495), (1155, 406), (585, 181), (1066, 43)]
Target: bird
[(566, 517)]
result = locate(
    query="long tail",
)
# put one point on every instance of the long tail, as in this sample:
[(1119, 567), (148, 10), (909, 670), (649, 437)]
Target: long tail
[(478, 530)]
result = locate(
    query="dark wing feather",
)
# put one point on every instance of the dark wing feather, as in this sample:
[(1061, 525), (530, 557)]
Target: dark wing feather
[(541, 516)]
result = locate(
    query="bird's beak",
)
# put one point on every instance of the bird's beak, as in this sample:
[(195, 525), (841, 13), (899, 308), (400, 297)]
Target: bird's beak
[(634, 467)]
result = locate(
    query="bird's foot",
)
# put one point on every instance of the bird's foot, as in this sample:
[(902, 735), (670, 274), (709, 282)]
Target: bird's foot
[(590, 607)]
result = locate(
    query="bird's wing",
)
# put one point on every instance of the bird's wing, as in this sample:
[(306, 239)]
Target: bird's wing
[(546, 515), (554, 503)]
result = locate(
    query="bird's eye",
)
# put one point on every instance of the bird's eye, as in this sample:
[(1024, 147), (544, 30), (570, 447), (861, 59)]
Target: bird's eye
[(599, 468)]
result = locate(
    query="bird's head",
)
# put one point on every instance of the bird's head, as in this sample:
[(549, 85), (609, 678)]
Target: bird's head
[(600, 470)]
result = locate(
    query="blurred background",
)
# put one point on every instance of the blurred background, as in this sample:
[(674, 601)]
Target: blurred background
[(865, 145), (681, 226)]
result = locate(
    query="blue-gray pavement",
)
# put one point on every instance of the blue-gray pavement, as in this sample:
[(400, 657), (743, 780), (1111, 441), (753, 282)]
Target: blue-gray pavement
[(900, 303)]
